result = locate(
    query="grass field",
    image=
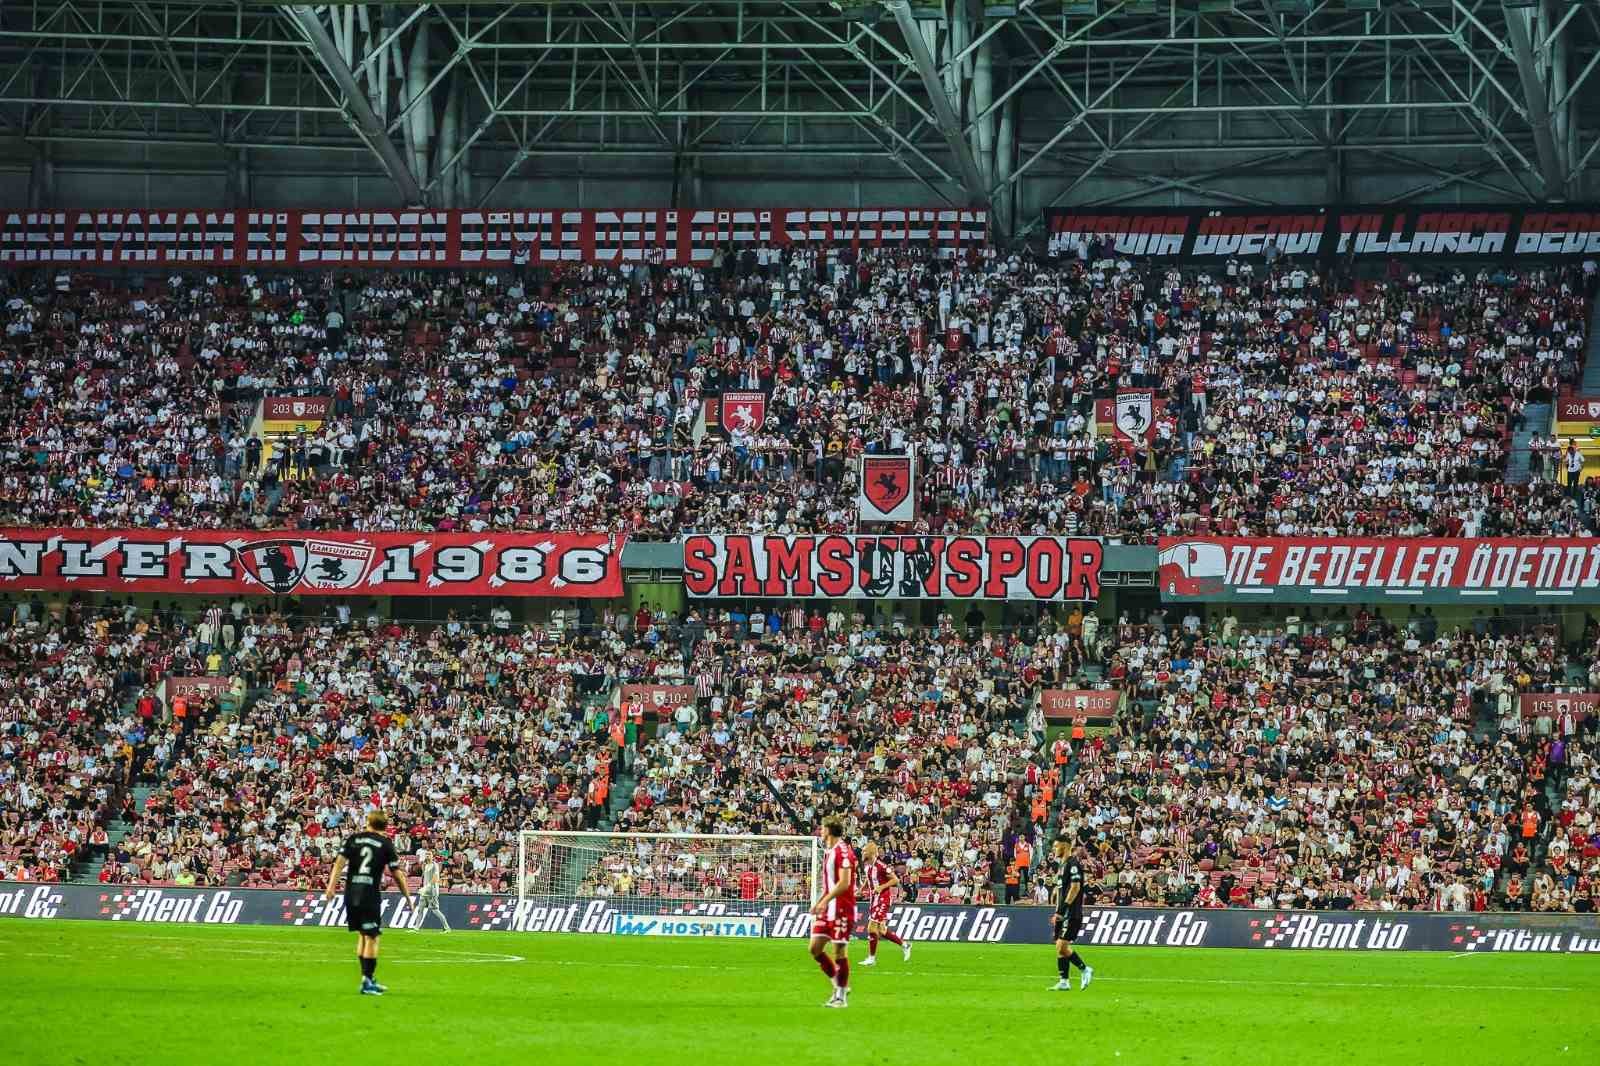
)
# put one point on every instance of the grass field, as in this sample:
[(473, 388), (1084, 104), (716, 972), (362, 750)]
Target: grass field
[(97, 993)]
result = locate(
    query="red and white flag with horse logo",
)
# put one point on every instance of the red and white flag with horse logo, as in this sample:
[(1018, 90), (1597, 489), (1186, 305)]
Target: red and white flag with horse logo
[(888, 488)]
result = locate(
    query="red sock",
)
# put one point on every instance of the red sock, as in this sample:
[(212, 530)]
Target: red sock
[(842, 973), (872, 945), (826, 964), (891, 938)]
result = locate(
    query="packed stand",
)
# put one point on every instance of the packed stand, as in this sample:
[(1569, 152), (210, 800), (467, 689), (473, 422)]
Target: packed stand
[(1338, 761), (1287, 400), (67, 741), (929, 739)]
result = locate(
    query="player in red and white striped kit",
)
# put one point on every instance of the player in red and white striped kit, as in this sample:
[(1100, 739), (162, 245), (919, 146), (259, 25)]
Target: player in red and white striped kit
[(834, 915), (880, 882)]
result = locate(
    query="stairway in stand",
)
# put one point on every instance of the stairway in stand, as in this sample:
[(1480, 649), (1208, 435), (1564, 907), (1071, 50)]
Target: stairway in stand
[(88, 872)]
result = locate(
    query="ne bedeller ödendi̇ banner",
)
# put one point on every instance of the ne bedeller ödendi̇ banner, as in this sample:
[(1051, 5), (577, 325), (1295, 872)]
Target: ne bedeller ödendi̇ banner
[(229, 562), (1379, 570), (855, 566), (927, 923)]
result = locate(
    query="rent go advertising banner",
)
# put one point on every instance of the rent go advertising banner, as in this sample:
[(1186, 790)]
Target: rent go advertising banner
[(228, 562), (840, 566), (1373, 570), (1282, 930), (461, 238)]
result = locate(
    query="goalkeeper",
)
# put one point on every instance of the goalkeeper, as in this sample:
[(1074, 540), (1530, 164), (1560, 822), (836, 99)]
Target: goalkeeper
[(432, 883)]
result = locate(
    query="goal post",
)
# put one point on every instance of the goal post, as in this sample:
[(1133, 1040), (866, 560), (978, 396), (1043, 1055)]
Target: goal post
[(650, 874)]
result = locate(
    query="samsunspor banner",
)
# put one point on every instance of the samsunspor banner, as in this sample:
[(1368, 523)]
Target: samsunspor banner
[(1421, 570), (892, 567), (460, 238), (1328, 232), (226, 562), (1576, 934)]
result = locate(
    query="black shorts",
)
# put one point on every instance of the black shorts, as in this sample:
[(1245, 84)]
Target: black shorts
[(366, 918), (1069, 925)]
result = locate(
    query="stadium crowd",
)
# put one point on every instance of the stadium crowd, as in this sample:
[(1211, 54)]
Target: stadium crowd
[(1285, 399), (1338, 761), (1335, 762)]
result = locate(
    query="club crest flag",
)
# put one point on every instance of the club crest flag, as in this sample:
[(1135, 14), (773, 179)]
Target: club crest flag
[(746, 411), (1135, 414), (888, 488)]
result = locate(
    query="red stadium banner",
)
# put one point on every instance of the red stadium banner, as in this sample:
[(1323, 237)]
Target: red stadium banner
[(1325, 232), (660, 700), (1578, 409), (1315, 570), (1556, 704), (892, 567), (226, 562), (189, 687), (1076, 705), (296, 408), (461, 238)]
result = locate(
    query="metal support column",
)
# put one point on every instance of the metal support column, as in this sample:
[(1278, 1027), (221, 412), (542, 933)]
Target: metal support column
[(943, 113), (357, 108), (1533, 90)]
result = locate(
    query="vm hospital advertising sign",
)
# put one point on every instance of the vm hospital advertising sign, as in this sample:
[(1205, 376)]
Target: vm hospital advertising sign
[(1375, 570)]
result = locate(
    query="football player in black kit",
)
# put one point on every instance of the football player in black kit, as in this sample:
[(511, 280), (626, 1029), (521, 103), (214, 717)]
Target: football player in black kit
[(1068, 919), (367, 855)]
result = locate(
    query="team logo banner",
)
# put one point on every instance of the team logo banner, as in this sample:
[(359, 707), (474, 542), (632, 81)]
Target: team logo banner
[(1325, 232), (744, 411), (225, 562), (1135, 414), (892, 567), (1364, 570), (888, 489)]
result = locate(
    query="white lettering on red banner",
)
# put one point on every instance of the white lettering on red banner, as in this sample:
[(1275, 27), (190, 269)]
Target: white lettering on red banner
[(224, 562), (658, 698), (460, 238), (829, 566), (1323, 232), (1578, 409), (296, 408), (1208, 566), (1558, 704), (1071, 704)]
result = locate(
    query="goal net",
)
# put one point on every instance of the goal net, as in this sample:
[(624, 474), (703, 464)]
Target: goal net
[(667, 873)]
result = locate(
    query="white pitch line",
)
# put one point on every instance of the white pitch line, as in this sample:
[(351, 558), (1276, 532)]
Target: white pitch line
[(284, 949), (470, 957), (1098, 977)]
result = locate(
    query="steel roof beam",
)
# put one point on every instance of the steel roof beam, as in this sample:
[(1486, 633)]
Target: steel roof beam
[(357, 108), (1536, 95), (948, 121)]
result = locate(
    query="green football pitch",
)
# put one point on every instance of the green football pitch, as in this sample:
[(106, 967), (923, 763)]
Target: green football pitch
[(96, 993)]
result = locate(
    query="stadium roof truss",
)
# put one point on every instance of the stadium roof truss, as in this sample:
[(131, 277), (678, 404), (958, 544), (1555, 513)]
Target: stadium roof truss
[(1091, 101)]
